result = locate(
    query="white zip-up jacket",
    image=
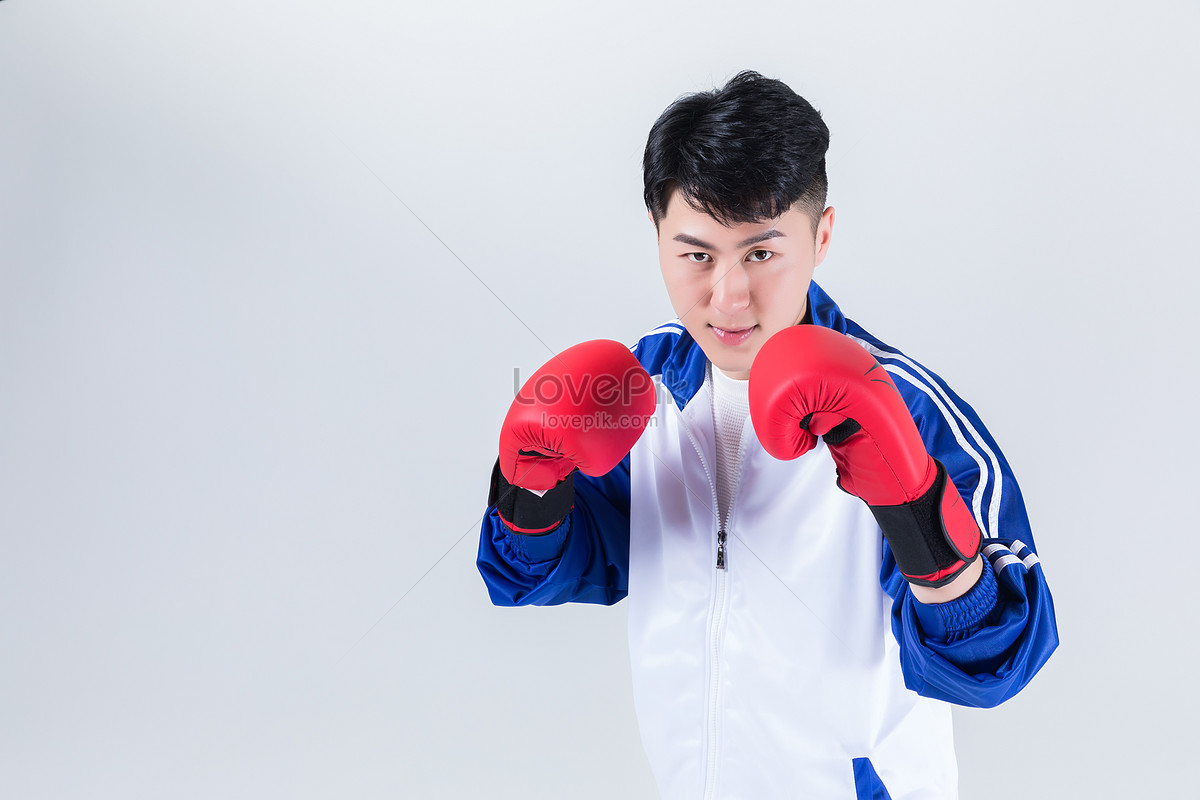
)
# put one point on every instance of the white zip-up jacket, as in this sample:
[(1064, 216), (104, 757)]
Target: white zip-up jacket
[(785, 656)]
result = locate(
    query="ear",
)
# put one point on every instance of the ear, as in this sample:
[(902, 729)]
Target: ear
[(824, 235)]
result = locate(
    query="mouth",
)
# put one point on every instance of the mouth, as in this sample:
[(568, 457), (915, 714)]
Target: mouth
[(732, 336)]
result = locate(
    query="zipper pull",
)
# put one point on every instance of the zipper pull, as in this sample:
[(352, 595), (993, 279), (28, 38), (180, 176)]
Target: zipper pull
[(721, 549)]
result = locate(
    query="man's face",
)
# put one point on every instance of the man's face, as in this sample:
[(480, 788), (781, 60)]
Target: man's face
[(734, 288)]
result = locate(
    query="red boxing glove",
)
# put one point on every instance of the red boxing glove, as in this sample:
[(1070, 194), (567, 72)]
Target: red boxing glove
[(808, 381), (584, 408)]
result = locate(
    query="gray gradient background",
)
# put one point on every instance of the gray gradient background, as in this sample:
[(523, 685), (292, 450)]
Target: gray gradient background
[(248, 400)]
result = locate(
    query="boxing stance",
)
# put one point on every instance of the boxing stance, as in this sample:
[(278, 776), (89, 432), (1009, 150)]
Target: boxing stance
[(806, 382), (821, 545)]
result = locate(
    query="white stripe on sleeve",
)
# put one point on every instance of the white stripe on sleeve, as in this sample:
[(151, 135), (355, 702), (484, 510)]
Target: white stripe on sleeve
[(1003, 561), (942, 400)]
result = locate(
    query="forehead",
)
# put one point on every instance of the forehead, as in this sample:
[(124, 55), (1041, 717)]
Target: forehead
[(686, 225)]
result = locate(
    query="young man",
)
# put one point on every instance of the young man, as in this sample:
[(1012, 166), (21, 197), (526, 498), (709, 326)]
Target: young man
[(821, 544)]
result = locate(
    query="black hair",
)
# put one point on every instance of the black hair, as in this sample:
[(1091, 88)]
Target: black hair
[(746, 152)]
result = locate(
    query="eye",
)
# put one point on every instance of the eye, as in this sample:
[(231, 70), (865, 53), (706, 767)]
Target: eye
[(688, 256), (766, 255)]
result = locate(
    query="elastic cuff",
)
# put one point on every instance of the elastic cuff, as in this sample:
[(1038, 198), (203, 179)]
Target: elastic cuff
[(540, 548), (959, 618)]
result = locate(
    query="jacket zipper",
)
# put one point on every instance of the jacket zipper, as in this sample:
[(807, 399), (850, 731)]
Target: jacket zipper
[(712, 485), (717, 629)]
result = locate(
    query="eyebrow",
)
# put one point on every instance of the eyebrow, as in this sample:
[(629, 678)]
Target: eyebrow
[(773, 233)]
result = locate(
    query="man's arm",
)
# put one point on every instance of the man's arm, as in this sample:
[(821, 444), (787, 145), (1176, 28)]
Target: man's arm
[(953, 590), (583, 559), (983, 646), (942, 493), (557, 526)]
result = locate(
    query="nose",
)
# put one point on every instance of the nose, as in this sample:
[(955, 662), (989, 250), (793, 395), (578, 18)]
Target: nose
[(731, 292)]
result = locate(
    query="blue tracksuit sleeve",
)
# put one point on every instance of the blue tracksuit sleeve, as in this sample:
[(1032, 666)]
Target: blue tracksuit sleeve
[(984, 647), (585, 559)]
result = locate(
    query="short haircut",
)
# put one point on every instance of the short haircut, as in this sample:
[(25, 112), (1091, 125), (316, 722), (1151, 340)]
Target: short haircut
[(746, 152)]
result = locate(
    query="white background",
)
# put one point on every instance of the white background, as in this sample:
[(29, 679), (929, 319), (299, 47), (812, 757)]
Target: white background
[(248, 399)]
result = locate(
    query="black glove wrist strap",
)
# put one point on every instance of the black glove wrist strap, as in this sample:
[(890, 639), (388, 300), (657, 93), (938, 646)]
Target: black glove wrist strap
[(917, 535), (525, 512)]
